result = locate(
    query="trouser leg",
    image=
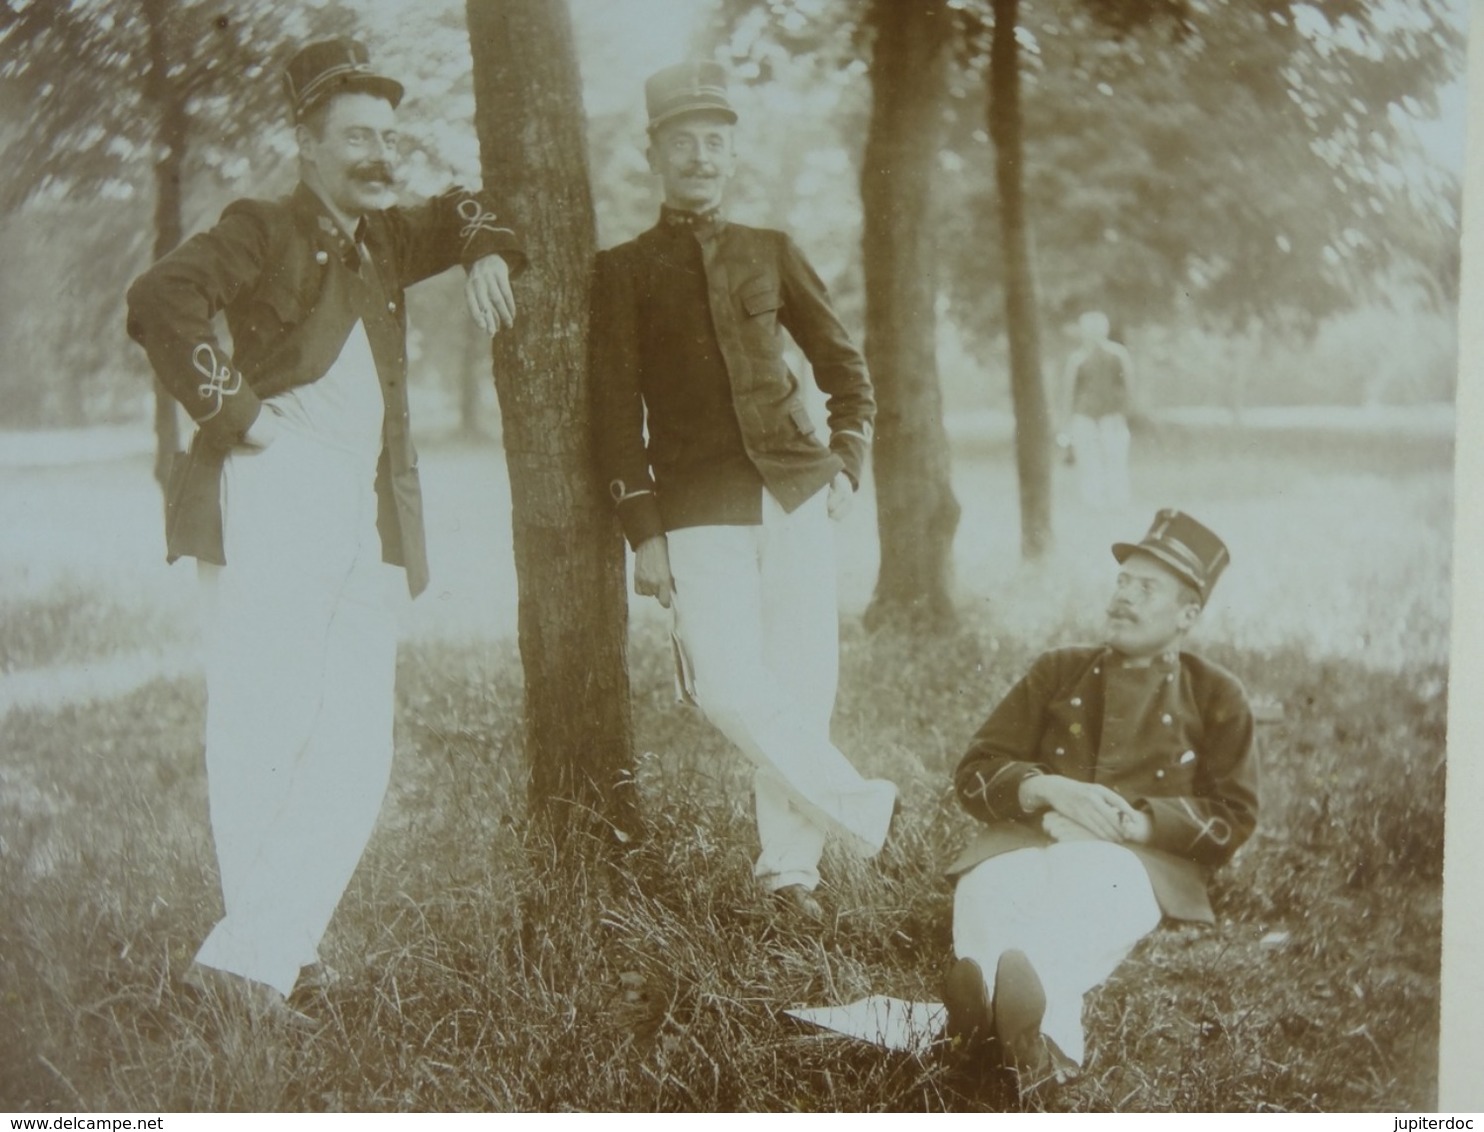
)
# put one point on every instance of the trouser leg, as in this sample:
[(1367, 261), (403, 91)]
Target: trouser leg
[(1088, 449), (801, 647), (719, 619), (1076, 909), (1113, 430), (299, 703)]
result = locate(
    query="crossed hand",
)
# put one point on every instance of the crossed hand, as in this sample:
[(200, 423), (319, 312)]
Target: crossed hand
[(1083, 811)]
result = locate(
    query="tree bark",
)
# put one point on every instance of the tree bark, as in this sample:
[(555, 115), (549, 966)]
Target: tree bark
[(1027, 389), (569, 560), (168, 101), (916, 511)]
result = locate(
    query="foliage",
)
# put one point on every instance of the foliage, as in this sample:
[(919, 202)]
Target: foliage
[(76, 79), (1189, 167), (118, 106), (1235, 163)]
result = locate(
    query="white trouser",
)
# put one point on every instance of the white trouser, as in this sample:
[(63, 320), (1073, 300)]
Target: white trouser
[(756, 616), (1075, 908), (300, 670), (1101, 448)]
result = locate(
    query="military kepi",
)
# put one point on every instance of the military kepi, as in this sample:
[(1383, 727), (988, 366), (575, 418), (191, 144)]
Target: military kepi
[(1190, 549), (687, 88), (334, 66)]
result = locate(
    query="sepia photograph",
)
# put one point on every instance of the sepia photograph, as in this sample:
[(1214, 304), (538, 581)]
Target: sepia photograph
[(733, 556)]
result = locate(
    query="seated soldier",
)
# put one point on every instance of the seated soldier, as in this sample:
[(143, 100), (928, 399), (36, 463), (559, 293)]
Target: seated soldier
[(1111, 781)]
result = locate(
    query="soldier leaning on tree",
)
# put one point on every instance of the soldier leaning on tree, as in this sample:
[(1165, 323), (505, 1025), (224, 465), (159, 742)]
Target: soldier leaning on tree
[(723, 485), (300, 498)]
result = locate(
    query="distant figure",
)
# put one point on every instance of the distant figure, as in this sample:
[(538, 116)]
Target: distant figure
[(1099, 376), (300, 499), (1111, 780), (724, 487)]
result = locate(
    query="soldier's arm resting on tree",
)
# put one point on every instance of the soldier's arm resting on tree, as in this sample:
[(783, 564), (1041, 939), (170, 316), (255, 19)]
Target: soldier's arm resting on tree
[(460, 226)]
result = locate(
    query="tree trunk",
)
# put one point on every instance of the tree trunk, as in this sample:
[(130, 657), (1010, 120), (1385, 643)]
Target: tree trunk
[(168, 102), (1027, 390), (569, 560), (916, 511)]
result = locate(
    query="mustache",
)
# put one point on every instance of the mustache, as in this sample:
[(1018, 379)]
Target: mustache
[(373, 171), (699, 171)]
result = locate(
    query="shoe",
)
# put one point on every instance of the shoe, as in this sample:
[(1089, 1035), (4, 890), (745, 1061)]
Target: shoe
[(970, 1016), (1019, 1007), (801, 900)]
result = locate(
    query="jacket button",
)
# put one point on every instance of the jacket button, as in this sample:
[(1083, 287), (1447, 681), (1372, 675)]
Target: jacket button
[(391, 306), (1167, 719), (1159, 774), (1061, 750), (1076, 701)]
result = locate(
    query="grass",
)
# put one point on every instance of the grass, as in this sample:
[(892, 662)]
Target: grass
[(481, 972), (63, 626)]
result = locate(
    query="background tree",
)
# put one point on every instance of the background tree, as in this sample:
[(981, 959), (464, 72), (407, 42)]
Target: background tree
[(1032, 421), (569, 560), (916, 511), (904, 51)]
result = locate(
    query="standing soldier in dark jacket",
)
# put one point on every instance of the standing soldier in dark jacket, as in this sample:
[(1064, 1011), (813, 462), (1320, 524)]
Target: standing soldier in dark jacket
[(724, 487), (299, 497), (1111, 781)]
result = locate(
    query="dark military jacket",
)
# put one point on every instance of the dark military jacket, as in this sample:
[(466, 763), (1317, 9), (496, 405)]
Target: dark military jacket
[(293, 285), (695, 410), (1176, 738)]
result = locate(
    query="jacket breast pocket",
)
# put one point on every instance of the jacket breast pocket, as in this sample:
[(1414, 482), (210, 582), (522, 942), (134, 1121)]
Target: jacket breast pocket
[(761, 300), (290, 288), (759, 329), (278, 306)]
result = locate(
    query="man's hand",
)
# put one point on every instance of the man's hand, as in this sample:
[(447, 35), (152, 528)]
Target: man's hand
[(1100, 811), (1138, 827), (1060, 828), (491, 302), (842, 496), (652, 577)]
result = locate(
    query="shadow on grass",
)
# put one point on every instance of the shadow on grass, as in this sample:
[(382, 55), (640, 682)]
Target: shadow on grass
[(479, 972)]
